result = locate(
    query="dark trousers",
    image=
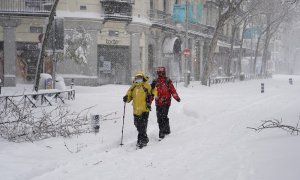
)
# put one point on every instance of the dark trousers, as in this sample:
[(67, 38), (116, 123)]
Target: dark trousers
[(162, 119), (141, 123)]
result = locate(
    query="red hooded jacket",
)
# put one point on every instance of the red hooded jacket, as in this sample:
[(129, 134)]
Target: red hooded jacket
[(165, 89)]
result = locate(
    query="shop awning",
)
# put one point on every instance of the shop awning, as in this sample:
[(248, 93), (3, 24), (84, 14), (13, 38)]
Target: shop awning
[(168, 45)]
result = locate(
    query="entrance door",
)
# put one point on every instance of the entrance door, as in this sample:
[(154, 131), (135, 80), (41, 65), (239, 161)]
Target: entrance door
[(113, 64)]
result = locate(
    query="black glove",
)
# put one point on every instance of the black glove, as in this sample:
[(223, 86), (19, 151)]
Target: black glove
[(178, 100), (153, 84), (125, 98)]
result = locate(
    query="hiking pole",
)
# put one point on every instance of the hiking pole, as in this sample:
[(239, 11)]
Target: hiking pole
[(123, 124)]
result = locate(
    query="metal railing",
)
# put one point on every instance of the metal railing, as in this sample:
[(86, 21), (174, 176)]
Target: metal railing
[(117, 10), (204, 29), (162, 18), (123, 1), (224, 38), (25, 7)]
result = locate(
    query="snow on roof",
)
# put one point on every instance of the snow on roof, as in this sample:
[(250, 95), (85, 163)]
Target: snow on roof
[(76, 76), (79, 14), (142, 20)]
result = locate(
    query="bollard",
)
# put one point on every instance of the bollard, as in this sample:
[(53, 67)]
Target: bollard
[(262, 87), (291, 81), (72, 83), (95, 122)]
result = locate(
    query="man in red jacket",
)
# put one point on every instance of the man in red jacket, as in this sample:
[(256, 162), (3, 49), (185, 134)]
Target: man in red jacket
[(164, 92)]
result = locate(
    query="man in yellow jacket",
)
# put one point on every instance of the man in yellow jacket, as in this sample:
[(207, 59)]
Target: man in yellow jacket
[(140, 95)]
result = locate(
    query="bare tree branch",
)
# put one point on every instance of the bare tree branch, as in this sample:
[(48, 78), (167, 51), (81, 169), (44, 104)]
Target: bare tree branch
[(271, 124)]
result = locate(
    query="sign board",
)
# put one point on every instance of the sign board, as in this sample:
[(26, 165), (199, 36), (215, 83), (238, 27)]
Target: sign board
[(186, 52), (48, 83), (40, 37), (106, 68)]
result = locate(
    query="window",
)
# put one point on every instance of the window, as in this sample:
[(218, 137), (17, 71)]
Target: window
[(113, 33), (83, 7), (34, 29), (151, 4), (165, 5)]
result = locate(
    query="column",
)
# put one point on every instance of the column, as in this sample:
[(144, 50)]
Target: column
[(136, 62), (196, 60), (9, 37), (201, 57), (159, 51), (204, 53)]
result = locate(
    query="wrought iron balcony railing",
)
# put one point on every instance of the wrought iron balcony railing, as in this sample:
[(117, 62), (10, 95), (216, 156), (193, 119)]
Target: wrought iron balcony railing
[(122, 1), (120, 10), (160, 18), (26, 7)]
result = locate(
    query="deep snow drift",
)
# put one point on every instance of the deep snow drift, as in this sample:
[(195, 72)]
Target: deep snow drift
[(209, 138)]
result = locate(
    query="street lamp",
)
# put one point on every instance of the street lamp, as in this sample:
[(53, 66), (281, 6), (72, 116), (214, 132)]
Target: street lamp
[(186, 50)]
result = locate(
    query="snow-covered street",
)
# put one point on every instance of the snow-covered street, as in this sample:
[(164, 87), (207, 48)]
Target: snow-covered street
[(209, 138)]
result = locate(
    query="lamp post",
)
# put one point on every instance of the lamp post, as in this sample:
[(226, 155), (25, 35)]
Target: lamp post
[(186, 73)]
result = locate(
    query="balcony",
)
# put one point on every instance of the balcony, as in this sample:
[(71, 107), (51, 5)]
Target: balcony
[(25, 7), (118, 10), (161, 19), (165, 20), (118, 1)]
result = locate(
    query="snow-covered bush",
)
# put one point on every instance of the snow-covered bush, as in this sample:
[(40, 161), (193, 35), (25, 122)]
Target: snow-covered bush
[(77, 45), (21, 122), (45, 81), (24, 123), (60, 83)]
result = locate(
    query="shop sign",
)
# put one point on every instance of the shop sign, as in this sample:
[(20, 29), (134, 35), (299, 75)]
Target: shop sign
[(112, 42), (106, 68), (187, 52)]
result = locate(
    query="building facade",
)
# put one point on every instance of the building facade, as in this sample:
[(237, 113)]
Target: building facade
[(122, 37)]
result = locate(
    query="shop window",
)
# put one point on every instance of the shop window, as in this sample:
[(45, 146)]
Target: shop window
[(83, 7), (34, 29), (113, 33)]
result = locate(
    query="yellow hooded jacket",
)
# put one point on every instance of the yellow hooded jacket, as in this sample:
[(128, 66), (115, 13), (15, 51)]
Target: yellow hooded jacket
[(137, 93)]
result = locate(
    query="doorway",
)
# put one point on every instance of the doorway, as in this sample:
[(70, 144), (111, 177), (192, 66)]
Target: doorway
[(113, 64)]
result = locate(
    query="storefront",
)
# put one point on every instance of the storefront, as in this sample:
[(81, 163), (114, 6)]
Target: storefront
[(172, 57), (27, 57), (114, 64), (1, 62)]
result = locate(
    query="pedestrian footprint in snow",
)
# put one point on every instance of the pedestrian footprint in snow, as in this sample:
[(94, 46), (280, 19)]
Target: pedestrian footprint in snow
[(140, 95), (163, 89)]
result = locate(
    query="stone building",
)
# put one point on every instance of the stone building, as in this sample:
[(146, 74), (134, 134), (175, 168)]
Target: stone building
[(125, 36)]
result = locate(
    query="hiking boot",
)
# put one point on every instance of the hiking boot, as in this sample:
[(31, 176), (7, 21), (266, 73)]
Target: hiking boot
[(161, 135), (141, 145), (167, 132)]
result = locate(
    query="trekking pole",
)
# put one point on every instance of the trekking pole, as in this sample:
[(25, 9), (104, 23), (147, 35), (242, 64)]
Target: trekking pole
[(123, 124)]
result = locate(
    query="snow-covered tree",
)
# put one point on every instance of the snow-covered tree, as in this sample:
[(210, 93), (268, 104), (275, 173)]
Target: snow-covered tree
[(77, 45), (227, 9), (44, 44), (269, 17)]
